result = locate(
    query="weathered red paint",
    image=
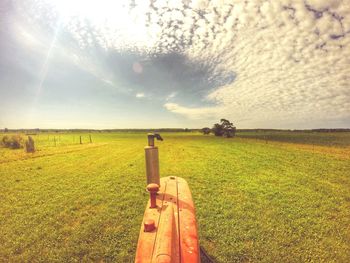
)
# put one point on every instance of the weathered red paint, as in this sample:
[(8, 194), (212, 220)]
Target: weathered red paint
[(173, 237), (187, 221), (153, 189), (149, 225)]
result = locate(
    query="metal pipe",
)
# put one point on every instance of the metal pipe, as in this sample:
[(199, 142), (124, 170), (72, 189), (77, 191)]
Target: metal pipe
[(152, 159), (152, 165)]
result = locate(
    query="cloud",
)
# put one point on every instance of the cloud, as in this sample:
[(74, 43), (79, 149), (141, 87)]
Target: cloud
[(291, 59), (171, 96), (193, 113), (140, 95), (262, 63)]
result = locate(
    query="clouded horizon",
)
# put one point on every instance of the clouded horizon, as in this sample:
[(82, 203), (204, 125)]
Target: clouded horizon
[(147, 64)]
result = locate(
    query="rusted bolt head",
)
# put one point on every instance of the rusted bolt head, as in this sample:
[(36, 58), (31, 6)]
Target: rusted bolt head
[(153, 188), (149, 225)]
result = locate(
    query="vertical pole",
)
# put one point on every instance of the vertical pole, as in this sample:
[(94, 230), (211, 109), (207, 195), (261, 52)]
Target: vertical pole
[(152, 165), (54, 139), (152, 160), (80, 140), (90, 138)]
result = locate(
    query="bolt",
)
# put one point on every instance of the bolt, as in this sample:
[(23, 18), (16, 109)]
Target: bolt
[(149, 225), (153, 189)]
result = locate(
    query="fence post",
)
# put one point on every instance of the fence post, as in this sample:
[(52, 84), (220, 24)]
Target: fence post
[(80, 140), (30, 148), (90, 138)]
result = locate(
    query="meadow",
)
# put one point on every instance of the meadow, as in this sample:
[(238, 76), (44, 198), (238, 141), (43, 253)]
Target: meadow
[(332, 139), (257, 199)]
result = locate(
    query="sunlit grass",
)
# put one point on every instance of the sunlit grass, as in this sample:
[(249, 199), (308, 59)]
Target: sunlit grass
[(333, 139), (274, 202)]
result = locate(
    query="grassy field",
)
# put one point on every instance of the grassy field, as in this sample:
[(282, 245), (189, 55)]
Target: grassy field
[(332, 139), (256, 201)]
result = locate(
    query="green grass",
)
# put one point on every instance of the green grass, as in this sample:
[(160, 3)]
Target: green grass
[(333, 139), (258, 202)]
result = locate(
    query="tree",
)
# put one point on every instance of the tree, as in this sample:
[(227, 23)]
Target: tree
[(206, 130), (224, 128), (6, 130), (229, 129), (218, 129), (230, 132)]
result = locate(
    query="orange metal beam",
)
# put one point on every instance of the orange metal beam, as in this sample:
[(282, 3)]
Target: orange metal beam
[(169, 231)]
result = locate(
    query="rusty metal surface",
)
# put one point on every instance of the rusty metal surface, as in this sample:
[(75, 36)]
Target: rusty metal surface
[(175, 237), (188, 226), (152, 164)]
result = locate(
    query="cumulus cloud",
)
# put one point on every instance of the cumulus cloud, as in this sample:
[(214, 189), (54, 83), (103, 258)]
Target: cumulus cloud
[(266, 63)]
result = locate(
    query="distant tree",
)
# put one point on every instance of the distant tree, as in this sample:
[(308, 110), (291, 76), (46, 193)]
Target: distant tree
[(218, 129), (229, 129), (230, 132), (224, 128), (206, 130), (6, 130)]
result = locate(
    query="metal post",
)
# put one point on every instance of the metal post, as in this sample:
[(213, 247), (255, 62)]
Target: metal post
[(153, 189), (152, 160)]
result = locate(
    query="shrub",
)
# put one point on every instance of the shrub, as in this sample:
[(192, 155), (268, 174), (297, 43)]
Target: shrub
[(13, 142), (206, 130)]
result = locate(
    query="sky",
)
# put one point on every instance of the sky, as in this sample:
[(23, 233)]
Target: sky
[(107, 64)]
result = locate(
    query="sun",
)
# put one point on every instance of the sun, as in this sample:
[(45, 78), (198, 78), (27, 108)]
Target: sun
[(94, 10)]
